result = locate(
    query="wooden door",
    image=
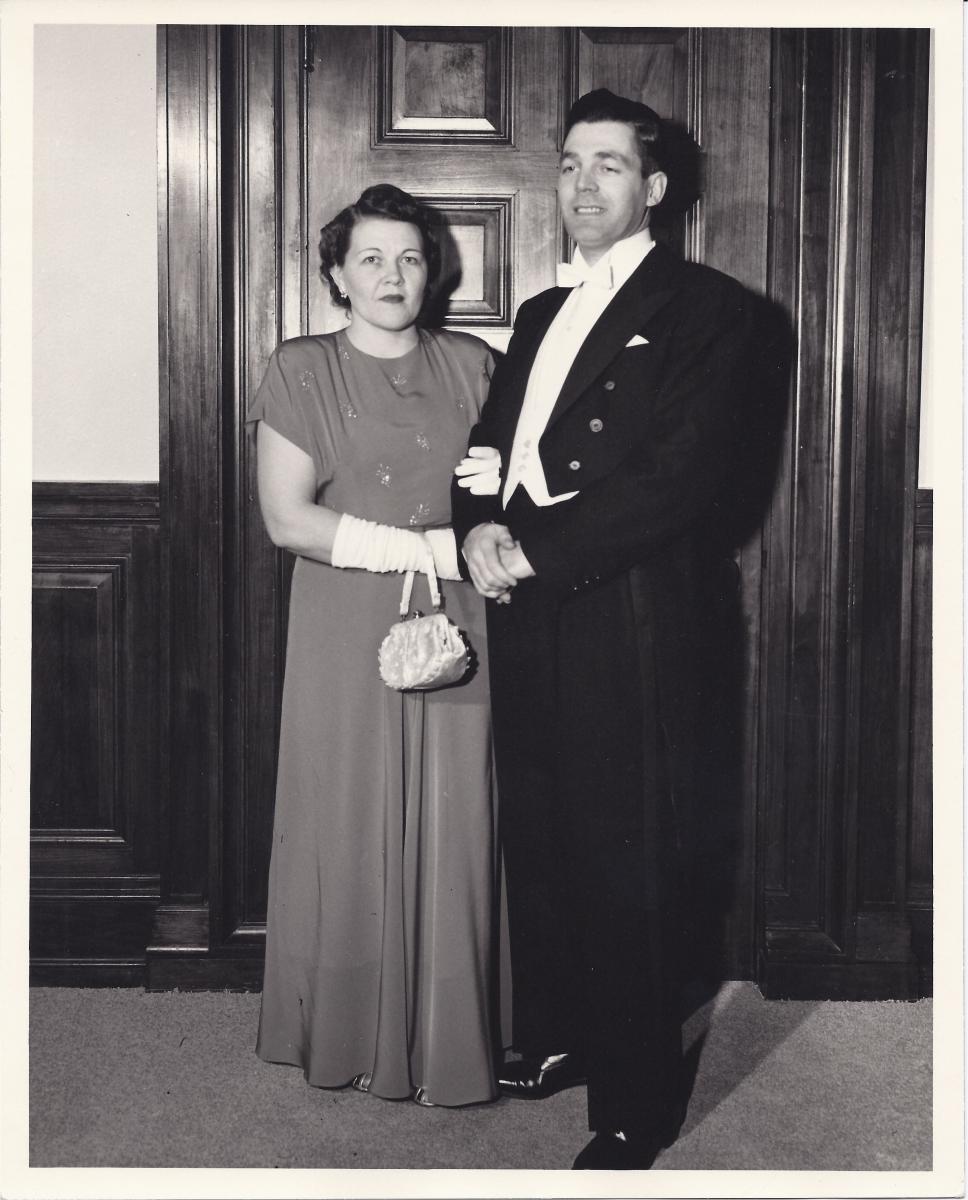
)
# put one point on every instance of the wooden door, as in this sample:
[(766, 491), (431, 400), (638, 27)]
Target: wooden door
[(470, 121), (812, 153)]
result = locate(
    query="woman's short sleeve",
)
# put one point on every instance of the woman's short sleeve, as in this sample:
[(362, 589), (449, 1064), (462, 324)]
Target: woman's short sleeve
[(488, 369), (278, 402), (484, 379)]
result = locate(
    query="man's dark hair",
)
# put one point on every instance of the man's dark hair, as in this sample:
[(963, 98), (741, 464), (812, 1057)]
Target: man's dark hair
[(381, 200), (603, 105)]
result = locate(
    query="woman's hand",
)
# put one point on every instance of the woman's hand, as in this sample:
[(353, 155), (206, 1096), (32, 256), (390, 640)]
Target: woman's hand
[(480, 471)]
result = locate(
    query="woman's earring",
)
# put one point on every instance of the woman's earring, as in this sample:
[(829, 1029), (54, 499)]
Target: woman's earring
[(342, 294)]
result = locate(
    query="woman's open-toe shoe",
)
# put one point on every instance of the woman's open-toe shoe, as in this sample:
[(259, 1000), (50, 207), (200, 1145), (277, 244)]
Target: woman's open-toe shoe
[(362, 1082), (420, 1097)]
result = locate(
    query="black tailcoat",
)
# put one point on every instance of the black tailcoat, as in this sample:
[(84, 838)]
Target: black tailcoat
[(597, 665)]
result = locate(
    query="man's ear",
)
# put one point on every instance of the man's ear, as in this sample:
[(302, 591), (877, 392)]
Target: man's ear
[(656, 185)]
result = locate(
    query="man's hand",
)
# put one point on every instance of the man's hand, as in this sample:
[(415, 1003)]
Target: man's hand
[(484, 547), (514, 560)]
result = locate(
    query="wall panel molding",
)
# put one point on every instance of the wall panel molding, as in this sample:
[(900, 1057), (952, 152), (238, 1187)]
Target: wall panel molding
[(76, 749), (475, 246), (96, 758), (111, 502), (442, 84)]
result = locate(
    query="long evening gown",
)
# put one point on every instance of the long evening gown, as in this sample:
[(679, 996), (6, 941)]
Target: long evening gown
[(381, 923)]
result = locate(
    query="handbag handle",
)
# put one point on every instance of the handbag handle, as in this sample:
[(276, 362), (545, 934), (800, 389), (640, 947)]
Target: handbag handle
[(431, 573)]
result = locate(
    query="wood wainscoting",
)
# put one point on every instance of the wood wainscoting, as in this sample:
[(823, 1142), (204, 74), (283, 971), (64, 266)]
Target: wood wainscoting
[(97, 779)]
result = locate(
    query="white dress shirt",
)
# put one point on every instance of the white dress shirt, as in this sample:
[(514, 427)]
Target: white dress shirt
[(558, 350)]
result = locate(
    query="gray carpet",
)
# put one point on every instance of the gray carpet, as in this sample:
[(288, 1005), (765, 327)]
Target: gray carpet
[(126, 1078)]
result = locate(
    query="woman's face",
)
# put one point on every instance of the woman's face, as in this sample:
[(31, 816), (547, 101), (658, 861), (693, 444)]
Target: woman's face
[(384, 274)]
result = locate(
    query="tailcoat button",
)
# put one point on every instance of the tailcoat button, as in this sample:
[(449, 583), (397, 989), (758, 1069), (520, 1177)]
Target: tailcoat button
[(574, 465), (609, 385), (595, 425)]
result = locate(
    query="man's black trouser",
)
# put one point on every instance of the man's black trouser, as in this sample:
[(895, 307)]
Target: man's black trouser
[(590, 847)]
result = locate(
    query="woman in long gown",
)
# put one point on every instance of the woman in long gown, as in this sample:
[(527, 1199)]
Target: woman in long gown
[(382, 875)]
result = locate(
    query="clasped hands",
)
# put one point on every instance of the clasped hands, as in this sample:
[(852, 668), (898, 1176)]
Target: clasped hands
[(495, 560)]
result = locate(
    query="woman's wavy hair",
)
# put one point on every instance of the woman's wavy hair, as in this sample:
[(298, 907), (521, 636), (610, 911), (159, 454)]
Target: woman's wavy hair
[(381, 200)]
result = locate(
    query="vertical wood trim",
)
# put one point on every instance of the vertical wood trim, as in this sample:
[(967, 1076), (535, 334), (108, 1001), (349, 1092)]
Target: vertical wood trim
[(234, 98), (896, 308), (265, 89), (695, 247), (191, 477), (914, 49), (919, 848), (815, 129), (811, 259), (787, 118), (830, 745), (164, 450), (858, 166)]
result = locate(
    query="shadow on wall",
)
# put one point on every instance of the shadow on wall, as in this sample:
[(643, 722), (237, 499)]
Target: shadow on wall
[(720, 808), (714, 906)]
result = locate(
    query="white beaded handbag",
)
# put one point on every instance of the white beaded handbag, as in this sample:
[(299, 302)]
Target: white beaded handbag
[(421, 653)]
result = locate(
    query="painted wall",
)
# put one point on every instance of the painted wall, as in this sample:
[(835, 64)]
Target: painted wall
[(95, 348), (95, 272), (929, 341)]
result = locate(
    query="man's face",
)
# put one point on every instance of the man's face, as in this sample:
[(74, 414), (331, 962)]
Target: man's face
[(602, 192)]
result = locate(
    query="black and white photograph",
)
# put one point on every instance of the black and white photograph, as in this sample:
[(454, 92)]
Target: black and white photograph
[(480, 700)]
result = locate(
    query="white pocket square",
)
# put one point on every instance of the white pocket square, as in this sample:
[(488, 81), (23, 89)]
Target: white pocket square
[(637, 340)]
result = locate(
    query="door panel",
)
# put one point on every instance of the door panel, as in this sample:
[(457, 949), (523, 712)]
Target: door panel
[(489, 168), (656, 66)]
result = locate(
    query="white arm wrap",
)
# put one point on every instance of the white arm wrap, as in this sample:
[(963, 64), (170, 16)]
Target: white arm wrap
[(373, 547), (444, 546)]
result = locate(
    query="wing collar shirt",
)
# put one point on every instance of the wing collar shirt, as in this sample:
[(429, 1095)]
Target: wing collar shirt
[(559, 349)]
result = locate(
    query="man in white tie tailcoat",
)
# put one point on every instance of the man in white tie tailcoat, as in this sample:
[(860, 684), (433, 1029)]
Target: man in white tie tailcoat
[(612, 418)]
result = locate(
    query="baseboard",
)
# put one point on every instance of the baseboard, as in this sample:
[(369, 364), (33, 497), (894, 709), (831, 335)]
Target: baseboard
[(87, 972), (842, 981), (89, 938), (194, 973)]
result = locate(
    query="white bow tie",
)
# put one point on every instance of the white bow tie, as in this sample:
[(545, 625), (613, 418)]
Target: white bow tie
[(572, 275)]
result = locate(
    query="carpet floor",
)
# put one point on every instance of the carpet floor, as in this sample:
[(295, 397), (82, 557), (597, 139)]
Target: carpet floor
[(123, 1078)]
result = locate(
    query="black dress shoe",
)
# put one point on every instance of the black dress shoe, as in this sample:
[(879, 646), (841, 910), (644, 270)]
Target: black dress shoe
[(612, 1152), (537, 1078)]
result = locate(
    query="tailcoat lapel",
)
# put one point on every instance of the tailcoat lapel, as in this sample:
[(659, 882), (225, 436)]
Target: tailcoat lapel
[(531, 339), (646, 290)]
